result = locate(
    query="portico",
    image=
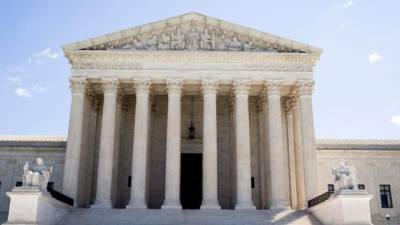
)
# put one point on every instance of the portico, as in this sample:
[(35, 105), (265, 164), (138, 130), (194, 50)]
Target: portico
[(246, 103)]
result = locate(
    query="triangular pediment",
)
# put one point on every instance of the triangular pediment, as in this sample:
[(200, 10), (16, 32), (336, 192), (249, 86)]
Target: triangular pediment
[(192, 32)]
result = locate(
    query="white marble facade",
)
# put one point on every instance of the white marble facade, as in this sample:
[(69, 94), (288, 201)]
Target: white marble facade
[(245, 90)]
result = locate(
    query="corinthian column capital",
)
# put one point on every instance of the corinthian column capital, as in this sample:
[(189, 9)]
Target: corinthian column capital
[(241, 87), (142, 86), (305, 87), (110, 85), (273, 87), (78, 84), (174, 86), (209, 86)]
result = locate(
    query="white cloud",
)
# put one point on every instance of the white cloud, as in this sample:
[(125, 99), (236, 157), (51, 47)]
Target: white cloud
[(14, 79), (47, 53), (374, 57), (43, 55), (348, 3), (342, 26), (22, 92), (395, 120)]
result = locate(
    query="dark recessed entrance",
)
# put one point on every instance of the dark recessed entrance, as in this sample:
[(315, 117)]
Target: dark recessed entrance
[(191, 181)]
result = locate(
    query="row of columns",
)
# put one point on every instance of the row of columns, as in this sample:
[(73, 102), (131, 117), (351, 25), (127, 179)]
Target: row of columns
[(209, 89)]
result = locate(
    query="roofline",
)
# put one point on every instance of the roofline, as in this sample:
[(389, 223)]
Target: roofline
[(33, 138), (68, 48)]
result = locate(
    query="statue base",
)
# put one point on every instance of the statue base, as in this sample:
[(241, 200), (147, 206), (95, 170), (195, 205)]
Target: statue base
[(30, 205), (345, 207)]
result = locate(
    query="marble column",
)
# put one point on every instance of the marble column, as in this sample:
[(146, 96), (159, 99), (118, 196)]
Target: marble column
[(243, 160), (140, 145), (291, 152), (173, 157), (107, 143), (74, 142), (301, 201), (276, 150), (210, 163), (305, 89)]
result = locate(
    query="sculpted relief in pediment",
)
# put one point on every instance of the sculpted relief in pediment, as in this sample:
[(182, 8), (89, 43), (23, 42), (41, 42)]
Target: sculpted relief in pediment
[(192, 36)]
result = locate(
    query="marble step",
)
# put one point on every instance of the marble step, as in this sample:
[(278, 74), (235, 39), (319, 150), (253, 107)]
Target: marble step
[(187, 217)]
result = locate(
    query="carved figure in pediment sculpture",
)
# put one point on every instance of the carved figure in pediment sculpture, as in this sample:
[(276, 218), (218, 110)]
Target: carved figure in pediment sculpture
[(248, 46), (206, 41), (165, 42), (178, 40), (151, 43), (192, 41), (234, 45), (138, 45), (221, 43)]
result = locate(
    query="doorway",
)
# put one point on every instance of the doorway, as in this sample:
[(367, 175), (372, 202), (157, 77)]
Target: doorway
[(191, 180)]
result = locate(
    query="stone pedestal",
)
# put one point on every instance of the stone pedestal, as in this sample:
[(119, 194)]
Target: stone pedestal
[(29, 205), (346, 207)]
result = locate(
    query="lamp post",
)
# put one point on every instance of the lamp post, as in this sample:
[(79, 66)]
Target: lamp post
[(388, 219)]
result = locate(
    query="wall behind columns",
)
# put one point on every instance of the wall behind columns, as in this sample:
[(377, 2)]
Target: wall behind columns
[(125, 150)]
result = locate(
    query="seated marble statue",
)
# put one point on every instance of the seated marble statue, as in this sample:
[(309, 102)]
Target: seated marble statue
[(37, 175), (345, 176)]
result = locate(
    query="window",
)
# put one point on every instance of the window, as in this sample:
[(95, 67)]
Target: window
[(361, 186), (129, 181), (18, 184), (386, 196), (252, 182), (331, 188)]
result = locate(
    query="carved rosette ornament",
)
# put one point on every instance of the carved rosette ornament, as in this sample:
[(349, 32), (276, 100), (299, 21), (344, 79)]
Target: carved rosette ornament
[(209, 86), (142, 86), (110, 85), (174, 86), (241, 87), (273, 87), (305, 88), (78, 85)]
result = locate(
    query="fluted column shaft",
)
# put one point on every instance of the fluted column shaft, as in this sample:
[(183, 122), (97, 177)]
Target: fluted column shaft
[(243, 159), (74, 142), (305, 89), (301, 202), (291, 152), (210, 162), (107, 141), (277, 161), (139, 154), (173, 158)]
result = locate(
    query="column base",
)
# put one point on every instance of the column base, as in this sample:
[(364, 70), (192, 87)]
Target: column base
[(171, 204), (244, 205), (210, 204), (137, 204), (276, 205), (102, 204)]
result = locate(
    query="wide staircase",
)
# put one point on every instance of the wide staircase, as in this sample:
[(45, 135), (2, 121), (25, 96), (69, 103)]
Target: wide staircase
[(92, 216)]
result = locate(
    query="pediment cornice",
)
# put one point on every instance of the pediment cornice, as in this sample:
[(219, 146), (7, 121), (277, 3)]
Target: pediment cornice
[(191, 32)]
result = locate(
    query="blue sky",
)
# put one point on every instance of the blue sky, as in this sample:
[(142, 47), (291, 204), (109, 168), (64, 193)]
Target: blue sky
[(357, 79)]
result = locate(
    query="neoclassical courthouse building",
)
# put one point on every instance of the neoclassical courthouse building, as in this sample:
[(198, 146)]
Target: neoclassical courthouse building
[(195, 112)]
